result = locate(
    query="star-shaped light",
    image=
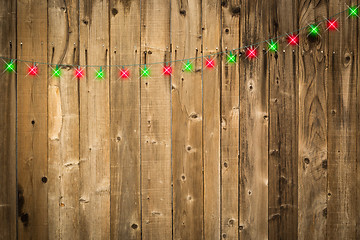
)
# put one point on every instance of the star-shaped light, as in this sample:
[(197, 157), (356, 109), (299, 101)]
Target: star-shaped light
[(124, 73), (210, 63), (100, 75), (10, 66), (251, 52), (188, 66), (293, 39), (79, 73), (56, 72), (353, 11), (332, 25), (145, 72), (314, 30), (272, 46), (167, 70), (231, 58), (33, 70)]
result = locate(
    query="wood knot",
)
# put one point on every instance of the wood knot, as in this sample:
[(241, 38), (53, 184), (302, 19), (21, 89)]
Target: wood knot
[(114, 11), (44, 179), (183, 12), (134, 226)]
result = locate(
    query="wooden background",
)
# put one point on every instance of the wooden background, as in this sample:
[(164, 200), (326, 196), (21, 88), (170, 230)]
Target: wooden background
[(264, 149)]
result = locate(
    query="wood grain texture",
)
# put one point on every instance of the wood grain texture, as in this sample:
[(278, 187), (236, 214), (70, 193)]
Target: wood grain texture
[(283, 124), (8, 124), (211, 23), (32, 120), (254, 88), (155, 123), (187, 121), (125, 215), (230, 121), (63, 122), (342, 102), (312, 124), (94, 122)]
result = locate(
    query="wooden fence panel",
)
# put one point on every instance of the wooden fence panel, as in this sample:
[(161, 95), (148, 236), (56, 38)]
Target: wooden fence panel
[(211, 24), (254, 88), (125, 121), (156, 122), (94, 121), (342, 103), (312, 124), (283, 124), (230, 120), (187, 121), (63, 121), (8, 123), (32, 120)]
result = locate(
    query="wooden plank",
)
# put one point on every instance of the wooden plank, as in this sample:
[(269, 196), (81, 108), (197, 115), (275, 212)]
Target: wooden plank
[(125, 218), (211, 22), (312, 124), (187, 121), (254, 124), (230, 121), (156, 122), (342, 211), (63, 121), (94, 163), (8, 123), (32, 120), (283, 124)]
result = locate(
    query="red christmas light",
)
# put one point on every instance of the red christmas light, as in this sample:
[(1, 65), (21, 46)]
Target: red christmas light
[(332, 25), (79, 73), (251, 52), (293, 39), (210, 63), (124, 73), (33, 70), (167, 70)]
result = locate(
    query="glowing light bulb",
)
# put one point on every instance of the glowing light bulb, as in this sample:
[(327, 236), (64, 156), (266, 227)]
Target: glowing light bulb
[(251, 52), (188, 67), (33, 70), (231, 58), (167, 70), (293, 39), (273, 46), (10, 66), (79, 73), (210, 63), (124, 73)]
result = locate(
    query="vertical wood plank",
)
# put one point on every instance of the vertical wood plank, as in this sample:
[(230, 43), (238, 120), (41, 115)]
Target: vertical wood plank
[(32, 120), (94, 122), (254, 124), (63, 121), (156, 122), (125, 121), (187, 121), (312, 124), (7, 123), (230, 121), (342, 79), (283, 124), (211, 21)]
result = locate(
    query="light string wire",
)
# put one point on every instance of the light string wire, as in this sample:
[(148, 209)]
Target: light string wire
[(185, 59)]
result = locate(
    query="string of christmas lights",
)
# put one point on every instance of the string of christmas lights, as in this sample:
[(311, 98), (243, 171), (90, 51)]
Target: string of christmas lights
[(251, 52)]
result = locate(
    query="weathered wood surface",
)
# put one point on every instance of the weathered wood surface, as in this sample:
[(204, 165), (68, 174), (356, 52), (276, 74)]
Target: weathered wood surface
[(32, 121), (8, 124), (94, 105), (230, 122), (63, 122), (211, 80), (254, 120), (125, 122), (313, 122), (156, 190), (187, 121), (283, 125), (267, 148)]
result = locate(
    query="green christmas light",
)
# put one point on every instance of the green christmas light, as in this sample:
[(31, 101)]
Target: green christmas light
[(314, 30), (231, 58), (353, 11), (100, 75), (57, 72), (188, 67), (273, 46), (10, 66), (145, 72)]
